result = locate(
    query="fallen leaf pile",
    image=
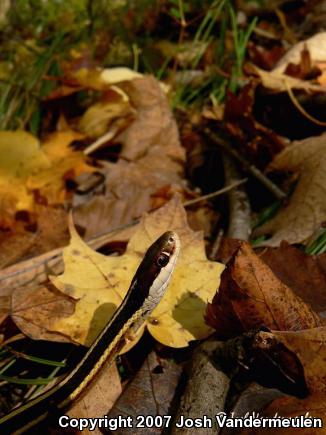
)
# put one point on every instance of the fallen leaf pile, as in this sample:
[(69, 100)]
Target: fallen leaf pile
[(271, 291), (150, 166), (98, 284)]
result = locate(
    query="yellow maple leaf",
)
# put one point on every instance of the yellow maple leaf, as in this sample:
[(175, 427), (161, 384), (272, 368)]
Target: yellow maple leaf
[(51, 181), (20, 156), (26, 166), (99, 283)]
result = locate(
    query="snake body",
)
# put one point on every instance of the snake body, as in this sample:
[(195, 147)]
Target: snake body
[(146, 290)]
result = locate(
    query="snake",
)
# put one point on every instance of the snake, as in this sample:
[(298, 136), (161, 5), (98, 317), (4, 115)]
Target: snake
[(146, 289)]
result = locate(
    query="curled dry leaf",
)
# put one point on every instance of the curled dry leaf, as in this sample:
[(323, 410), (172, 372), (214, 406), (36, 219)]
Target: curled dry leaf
[(99, 118), (100, 396), (251, 296), (309, 345), (316, 47), (100, 283), (277, 81), (306, 209), (154, 123)]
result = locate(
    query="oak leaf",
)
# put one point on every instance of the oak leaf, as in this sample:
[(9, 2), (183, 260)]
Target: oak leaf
[(99, 283)]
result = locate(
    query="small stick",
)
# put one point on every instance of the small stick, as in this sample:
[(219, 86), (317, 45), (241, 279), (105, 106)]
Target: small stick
[(239, 206), (216, 193)]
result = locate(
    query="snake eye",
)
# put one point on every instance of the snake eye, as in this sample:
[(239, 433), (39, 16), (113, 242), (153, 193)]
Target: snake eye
[(162, 260)]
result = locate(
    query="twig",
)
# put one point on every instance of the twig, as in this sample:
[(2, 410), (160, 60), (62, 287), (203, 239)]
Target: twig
[(300, 108), (100, 141), (275, 190), (239, 206), (216, 193)]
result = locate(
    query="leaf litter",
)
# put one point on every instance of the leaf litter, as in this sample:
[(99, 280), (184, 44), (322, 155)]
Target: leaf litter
[(280, 289)]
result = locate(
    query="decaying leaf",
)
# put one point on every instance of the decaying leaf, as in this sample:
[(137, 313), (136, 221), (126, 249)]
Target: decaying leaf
[(99, 397), (306, 209), (101, 282), (251, 296), (150, 392), (35, 309)]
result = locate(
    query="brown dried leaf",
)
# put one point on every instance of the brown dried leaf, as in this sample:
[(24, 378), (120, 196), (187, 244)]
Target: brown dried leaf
[(33, 310), (51, 232), (99, 397), (154, 123), (151, 159), (150, 393), (304, 274), (251, 296), (306, 209)]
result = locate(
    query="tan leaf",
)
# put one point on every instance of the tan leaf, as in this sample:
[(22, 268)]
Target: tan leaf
[(99, 397), (151, 160), (35, 309), (98, 118), (280, 82), (51, 232), (150, 393), (251, 296), (315, 45), (306, 210), (154, 123)]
